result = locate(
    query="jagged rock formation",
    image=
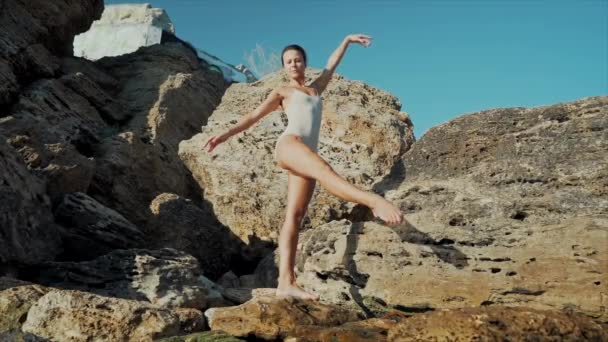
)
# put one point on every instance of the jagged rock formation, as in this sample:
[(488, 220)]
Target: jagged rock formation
[(107, 232), (107, 131)]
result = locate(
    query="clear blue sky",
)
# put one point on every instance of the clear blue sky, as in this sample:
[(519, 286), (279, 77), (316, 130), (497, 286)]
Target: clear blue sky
[(442, 58)]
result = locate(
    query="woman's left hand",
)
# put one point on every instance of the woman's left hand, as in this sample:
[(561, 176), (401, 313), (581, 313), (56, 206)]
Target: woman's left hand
[(360, 38)]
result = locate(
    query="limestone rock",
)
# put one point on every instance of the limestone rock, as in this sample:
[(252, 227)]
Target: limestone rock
[(91, 229), (53, 128), (15, 302), (178, 223), (165, 277), (269, 317), (30, 29), (169, 96), (496, 323), (28, 232), (77, 316), (362, 136), (506, 201)]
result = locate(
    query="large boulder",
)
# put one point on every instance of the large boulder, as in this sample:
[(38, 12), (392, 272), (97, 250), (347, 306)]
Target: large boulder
[(168, 96), (506, 206), (165, 277), (77, 316), (363, 134), (177, 222), (32, 32), (91, 229), (28, 233), (53, 128), (15, 302), (269, 317)]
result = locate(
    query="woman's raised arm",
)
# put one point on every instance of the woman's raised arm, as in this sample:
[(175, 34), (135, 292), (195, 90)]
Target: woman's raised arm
[(332, 63), (273, 100)]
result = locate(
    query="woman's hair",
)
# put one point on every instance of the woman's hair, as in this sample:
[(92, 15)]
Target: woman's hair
[(294, 47)]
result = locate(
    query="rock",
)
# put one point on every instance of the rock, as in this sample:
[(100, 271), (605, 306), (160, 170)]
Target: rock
[(178, 223), (165, 277), (169, 96), (15, 302), (74, 65), (269, 317), (28, 232), (497, 323), (54, 129), (91, 229), (373, 268), (481, 229), (77, 316), (110, 110), (369, 330), (124, 28), (228, 279), (30, 30), (248, 280), (361, 137), (267, 270)]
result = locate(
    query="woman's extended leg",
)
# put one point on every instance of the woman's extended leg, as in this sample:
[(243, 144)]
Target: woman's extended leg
[(299, 193), (295, 156)]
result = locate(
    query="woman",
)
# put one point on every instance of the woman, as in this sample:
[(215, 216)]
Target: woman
[(295, 151)]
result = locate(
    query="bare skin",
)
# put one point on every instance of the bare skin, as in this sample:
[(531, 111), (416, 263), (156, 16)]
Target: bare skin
[(305, 167)]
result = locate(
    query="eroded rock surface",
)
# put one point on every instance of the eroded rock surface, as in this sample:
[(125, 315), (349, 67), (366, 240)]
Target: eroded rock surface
[(362, 136)]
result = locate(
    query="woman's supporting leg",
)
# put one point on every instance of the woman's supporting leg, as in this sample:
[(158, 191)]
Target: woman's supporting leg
[(299, 193), (295, 156)]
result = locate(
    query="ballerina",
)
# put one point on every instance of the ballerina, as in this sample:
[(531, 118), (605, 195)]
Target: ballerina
[(296, 152)]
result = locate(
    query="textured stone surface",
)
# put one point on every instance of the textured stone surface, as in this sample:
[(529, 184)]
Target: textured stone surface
[(15, 302), (472, 237), (268, 317), (27, 231), (168, 97), (91, 229), (363, 134), (177, 222), (369, 330), (77, 316), (496, 323), (166, 277), (372, 268), (30, 29), (53, 128)]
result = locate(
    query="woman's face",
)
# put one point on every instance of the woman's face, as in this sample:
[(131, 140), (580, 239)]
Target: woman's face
[(293, 62)]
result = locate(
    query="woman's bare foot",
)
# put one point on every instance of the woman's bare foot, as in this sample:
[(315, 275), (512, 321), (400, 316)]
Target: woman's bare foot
[(293, 290), (386, 211)]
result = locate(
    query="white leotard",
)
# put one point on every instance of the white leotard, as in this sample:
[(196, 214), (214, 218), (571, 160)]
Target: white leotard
[(304, 118)]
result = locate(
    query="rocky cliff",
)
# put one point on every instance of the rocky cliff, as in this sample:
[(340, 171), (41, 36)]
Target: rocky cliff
[(115, 225)]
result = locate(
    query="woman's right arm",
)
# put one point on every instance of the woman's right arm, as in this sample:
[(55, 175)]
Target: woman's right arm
[(273, 100)]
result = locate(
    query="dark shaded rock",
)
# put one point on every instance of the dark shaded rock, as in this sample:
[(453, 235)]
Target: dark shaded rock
[(91, 229), (27, 231)]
